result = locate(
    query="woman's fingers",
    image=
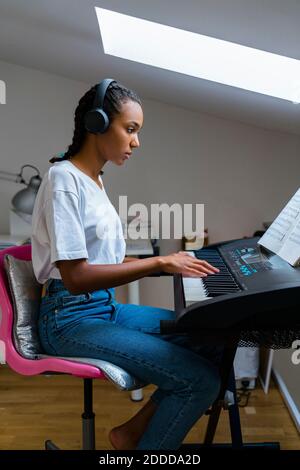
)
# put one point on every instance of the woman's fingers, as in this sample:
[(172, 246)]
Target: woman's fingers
[(209, 268), (190, 272), (202, 267), (196, 268)]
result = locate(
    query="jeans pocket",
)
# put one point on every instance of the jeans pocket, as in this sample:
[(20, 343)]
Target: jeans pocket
[(70, 309), (69, 300)]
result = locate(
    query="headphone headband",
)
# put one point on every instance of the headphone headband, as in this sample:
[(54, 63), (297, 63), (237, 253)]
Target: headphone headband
[(101, 92), (96, 120)]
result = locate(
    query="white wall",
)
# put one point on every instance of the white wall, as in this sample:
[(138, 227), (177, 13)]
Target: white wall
[(35, 122), (241, 173)]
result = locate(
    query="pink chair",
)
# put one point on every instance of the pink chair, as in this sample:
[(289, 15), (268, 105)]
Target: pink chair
[(37, 362)]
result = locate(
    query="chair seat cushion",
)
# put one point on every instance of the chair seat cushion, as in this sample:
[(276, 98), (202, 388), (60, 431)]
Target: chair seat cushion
[(122, 379)]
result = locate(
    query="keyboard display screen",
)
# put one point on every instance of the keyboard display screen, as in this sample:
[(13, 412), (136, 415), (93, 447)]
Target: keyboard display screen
[(249, 261)]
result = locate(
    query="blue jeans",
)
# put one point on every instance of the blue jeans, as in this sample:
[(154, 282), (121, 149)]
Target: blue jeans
[(95, 325)]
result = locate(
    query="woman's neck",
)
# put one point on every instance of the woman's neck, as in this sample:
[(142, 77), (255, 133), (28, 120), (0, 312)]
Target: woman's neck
[(88, 161)]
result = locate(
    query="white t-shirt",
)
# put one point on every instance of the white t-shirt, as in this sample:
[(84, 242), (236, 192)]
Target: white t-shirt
[(73, 218)]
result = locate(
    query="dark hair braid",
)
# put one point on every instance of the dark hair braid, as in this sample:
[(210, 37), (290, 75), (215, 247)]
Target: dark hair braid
[(115, 96)]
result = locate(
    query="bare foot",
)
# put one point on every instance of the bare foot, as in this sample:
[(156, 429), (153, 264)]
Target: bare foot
[(121, 439), (127, 435)]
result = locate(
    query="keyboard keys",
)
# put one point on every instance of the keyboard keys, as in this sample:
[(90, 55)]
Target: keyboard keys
[(220, 283)]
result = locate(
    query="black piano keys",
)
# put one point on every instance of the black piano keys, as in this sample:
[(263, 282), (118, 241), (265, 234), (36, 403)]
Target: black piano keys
[(220, 283)]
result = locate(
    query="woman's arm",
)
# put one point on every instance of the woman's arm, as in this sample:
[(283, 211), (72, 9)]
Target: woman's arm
[(128, 259), (79, 276)]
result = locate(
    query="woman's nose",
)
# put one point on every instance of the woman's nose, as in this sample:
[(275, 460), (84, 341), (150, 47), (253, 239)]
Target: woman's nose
[(135, 142)]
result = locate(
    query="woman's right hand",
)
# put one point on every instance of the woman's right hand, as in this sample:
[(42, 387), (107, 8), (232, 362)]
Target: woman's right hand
[(187, 265)]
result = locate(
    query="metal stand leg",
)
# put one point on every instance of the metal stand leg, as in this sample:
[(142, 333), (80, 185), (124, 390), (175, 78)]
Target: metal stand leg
[(225, 371), (88, 417), (234, 416), (212, 423), (227, 388), (88, 420), (134, 298)]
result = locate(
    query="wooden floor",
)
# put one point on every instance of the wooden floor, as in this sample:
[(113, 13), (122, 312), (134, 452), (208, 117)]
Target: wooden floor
[(33, 409)]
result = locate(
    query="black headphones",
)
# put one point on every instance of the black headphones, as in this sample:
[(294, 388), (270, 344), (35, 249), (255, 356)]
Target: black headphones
[(96, 120)]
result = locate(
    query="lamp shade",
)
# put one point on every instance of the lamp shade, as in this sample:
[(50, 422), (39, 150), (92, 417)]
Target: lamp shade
[(23, 201)]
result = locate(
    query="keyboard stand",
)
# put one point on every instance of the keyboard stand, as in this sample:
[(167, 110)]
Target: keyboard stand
[(232, 407), (227, 398)]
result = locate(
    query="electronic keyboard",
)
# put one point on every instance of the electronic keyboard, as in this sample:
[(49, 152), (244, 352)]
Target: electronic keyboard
[(254, 289)]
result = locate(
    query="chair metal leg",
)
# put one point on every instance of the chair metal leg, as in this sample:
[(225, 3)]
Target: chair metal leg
[(88, 417), (49, 445), (88, 420)]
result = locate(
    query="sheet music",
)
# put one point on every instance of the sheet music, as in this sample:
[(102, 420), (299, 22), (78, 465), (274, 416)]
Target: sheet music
[(283, 235)]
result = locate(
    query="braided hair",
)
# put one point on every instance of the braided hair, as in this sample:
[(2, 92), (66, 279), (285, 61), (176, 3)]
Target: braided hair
[(115, 96)]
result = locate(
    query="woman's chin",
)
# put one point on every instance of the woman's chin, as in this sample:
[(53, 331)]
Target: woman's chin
[(120, 161)]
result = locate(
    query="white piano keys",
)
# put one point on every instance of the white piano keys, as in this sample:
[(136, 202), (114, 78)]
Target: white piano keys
[(194, 289)]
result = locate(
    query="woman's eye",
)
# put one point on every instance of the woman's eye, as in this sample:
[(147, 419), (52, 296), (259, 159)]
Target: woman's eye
[(130, 130)]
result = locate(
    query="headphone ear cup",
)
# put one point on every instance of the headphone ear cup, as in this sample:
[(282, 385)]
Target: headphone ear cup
[(96, 121)]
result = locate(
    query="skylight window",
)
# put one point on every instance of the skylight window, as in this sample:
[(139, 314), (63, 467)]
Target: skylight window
[(199, 56)]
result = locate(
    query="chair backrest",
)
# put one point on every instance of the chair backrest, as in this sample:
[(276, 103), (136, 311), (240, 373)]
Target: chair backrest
[(13, 357), (7, 314), (25, 292)]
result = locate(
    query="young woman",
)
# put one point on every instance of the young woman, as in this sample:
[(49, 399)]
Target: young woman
[(79, 267)]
